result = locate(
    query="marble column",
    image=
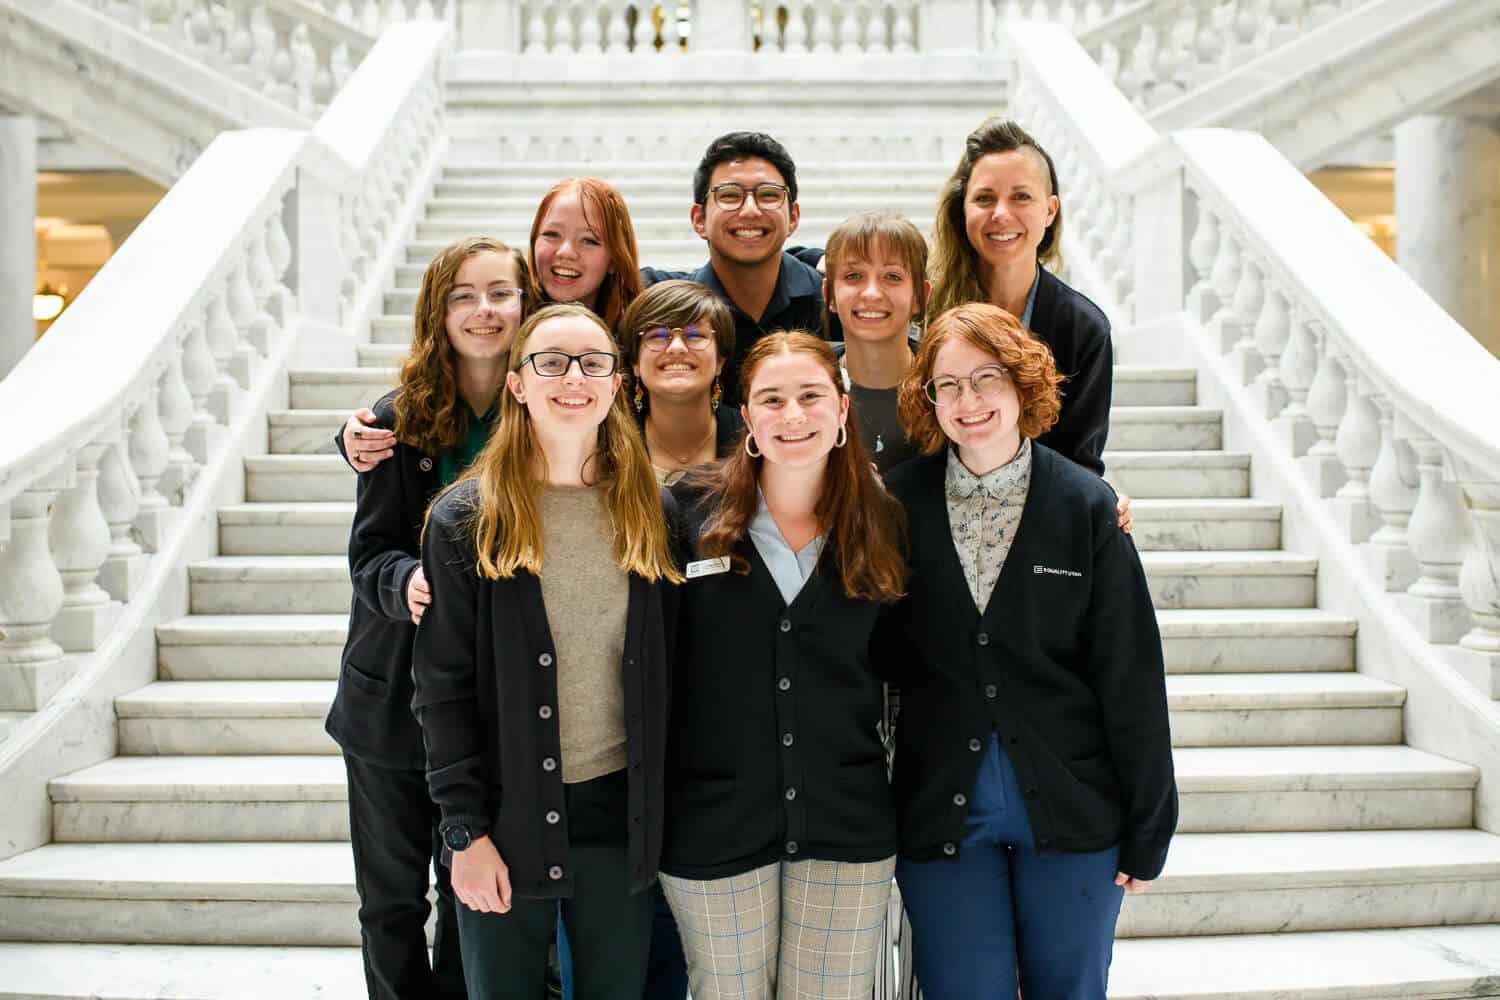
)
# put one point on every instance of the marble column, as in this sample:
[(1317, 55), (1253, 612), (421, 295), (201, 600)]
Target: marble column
[(17, 238), (1448, 216)]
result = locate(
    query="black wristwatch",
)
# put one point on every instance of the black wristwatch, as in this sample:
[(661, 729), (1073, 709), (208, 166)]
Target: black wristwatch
[(458, 836)]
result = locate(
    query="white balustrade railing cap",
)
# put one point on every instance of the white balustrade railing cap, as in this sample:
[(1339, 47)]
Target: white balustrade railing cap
[(1436, 374), (1107, 127), (363, 113), (96, 357)]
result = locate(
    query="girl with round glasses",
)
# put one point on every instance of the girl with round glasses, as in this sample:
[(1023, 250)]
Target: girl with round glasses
[(471, 302), (997, 238), (1034, 768), (541, 672), (674, 340), (780, 830)]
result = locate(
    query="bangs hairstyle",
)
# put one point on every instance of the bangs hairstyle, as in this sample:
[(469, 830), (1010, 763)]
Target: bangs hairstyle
[(506, 522), (604, 210), (999, 334), (429, 416), (955, 263), (860, 237), (674, 303), (865, 526)]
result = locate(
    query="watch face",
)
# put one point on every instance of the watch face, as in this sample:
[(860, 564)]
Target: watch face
[(457, 838)]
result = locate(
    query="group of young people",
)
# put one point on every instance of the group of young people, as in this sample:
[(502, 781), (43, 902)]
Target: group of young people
[(644, 563)]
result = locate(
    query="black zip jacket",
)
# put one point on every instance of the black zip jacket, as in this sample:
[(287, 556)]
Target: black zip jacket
[(371, 717), (1065, 663), (774, 752), (1077, 331), (486, 696)]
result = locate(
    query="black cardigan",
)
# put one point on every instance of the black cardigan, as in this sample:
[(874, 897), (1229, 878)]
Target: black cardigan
[(1077, 331), (1065, 663), (774, 751), (486, 697), (371, 717)]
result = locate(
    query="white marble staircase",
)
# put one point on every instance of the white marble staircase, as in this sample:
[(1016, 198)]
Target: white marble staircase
[(1318, 855)]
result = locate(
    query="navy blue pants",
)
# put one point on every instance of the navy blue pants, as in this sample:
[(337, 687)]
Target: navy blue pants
[(1004, 915), (666, 969)]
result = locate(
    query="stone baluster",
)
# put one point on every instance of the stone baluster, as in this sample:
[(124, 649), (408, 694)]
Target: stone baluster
[(904, 28), (1479, 578), (324, 84), (1284, 17), (223, 341), (120, 502), (283, 64), (822, 32), (1206, 48), (31, 588), (1244, 359), (1271, 335), (280, 247), (1358, 443), (1393, 493), (1118, 239), (201, 375), (150, 453), (1223, 327), (1135, 66), (1171, 67), (1245, 28), (395, 12), (1438, 535), (176, 405), (848, 29), (80, 539), (671, 29), (536, 28), (565, 25), (1104, 223), (1325, 408), (241, 44), (265, 331), (1203, 250), (617, 27), (243, 310), (1299, 366), (796, 26), (204, 34), (425, 11)]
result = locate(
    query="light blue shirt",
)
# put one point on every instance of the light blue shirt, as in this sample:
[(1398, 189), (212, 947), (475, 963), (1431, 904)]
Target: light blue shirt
[(1031, 299), (789, 569)]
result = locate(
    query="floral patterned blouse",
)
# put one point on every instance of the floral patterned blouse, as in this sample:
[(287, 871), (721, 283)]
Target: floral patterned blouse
[(983, 514)]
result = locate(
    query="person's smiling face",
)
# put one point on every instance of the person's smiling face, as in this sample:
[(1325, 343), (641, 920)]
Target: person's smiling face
[(573, 400), (571, 258), (749, 235), (875, 299), (1007, 207), (678, 362), (483, 307), (794, 412), (982, 424)]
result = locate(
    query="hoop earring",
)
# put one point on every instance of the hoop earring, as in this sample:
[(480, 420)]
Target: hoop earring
[(639, 400), (749, 443), (716, 395), (842, 438)]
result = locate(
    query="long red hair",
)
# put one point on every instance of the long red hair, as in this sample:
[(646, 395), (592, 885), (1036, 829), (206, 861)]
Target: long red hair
[(604, 208), (864, 525)]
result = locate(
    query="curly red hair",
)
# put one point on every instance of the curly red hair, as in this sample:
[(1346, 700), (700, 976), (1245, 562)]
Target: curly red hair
[(997, 333)]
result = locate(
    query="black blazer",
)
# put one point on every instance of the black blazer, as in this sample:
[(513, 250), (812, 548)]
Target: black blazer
[(774, 749), (486, 696), (371, 717), (1065, 663), (1078, 333)]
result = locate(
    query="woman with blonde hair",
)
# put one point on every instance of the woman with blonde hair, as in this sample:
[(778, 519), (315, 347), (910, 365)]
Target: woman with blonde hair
[(1034, 768), (541, 672), (471, 302), (780, 830)]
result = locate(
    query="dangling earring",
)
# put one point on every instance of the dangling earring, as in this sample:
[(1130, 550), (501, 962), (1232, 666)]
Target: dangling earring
[(750, 443), (842, 438), (640, 397), (716, 395)]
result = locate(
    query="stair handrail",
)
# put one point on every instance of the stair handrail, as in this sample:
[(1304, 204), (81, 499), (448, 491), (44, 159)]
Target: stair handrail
[(128, 420), (1372, 416)]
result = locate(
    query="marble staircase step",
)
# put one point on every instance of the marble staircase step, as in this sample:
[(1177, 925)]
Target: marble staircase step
[(1205, 525), (9, 721), (686, 253), (653, 229), (251, 647), (241, 893), (1231, 579), (1256, 883), (500, 199), (53, 971), (208, 798), (285, 528), (305, 431), (1246, 640), (1433, 963), (339, 388), (298, 478), (1150, 475), (393, 329), (226, 717), (1298, 709), (269, 585), (380, 355)]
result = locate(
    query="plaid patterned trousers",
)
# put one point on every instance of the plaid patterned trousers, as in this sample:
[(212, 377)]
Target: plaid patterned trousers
[(795, 930)]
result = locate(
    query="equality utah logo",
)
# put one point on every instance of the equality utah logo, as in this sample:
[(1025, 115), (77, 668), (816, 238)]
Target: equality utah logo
[(1040, 570)]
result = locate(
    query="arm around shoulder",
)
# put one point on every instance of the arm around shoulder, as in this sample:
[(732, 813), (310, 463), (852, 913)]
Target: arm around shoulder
[(383, 542)]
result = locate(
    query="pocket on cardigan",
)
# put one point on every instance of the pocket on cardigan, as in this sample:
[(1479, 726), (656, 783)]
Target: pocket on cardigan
[(368, 683)]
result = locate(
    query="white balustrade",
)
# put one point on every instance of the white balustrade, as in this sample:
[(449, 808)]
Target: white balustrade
[(592, 27), (1438, 534), (846, 27)]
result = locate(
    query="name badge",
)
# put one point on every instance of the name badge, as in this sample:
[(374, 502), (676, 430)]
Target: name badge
[(707, 567)]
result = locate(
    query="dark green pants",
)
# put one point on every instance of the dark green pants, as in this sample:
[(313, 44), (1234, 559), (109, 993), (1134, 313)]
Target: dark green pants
[(609, 927)]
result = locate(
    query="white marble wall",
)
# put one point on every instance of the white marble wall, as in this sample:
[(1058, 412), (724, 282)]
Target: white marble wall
[(17, 237), (1448, 216)]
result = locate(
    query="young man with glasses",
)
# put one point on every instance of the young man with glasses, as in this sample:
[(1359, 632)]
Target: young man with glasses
[(745, 207)]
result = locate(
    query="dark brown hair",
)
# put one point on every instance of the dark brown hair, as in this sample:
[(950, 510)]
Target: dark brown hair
[(997, 333), (859, 236), (865, 526)]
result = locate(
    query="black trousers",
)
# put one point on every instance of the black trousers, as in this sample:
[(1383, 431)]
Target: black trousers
[(393, 830), (608, 926)]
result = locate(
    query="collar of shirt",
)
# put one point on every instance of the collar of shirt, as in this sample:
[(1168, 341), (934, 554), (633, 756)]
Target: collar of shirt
[(997, 484), (1031, 299), (789, 569), (795, 280)]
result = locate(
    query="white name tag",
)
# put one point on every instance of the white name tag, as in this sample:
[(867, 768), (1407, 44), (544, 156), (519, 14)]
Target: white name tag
[(707, 567)]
